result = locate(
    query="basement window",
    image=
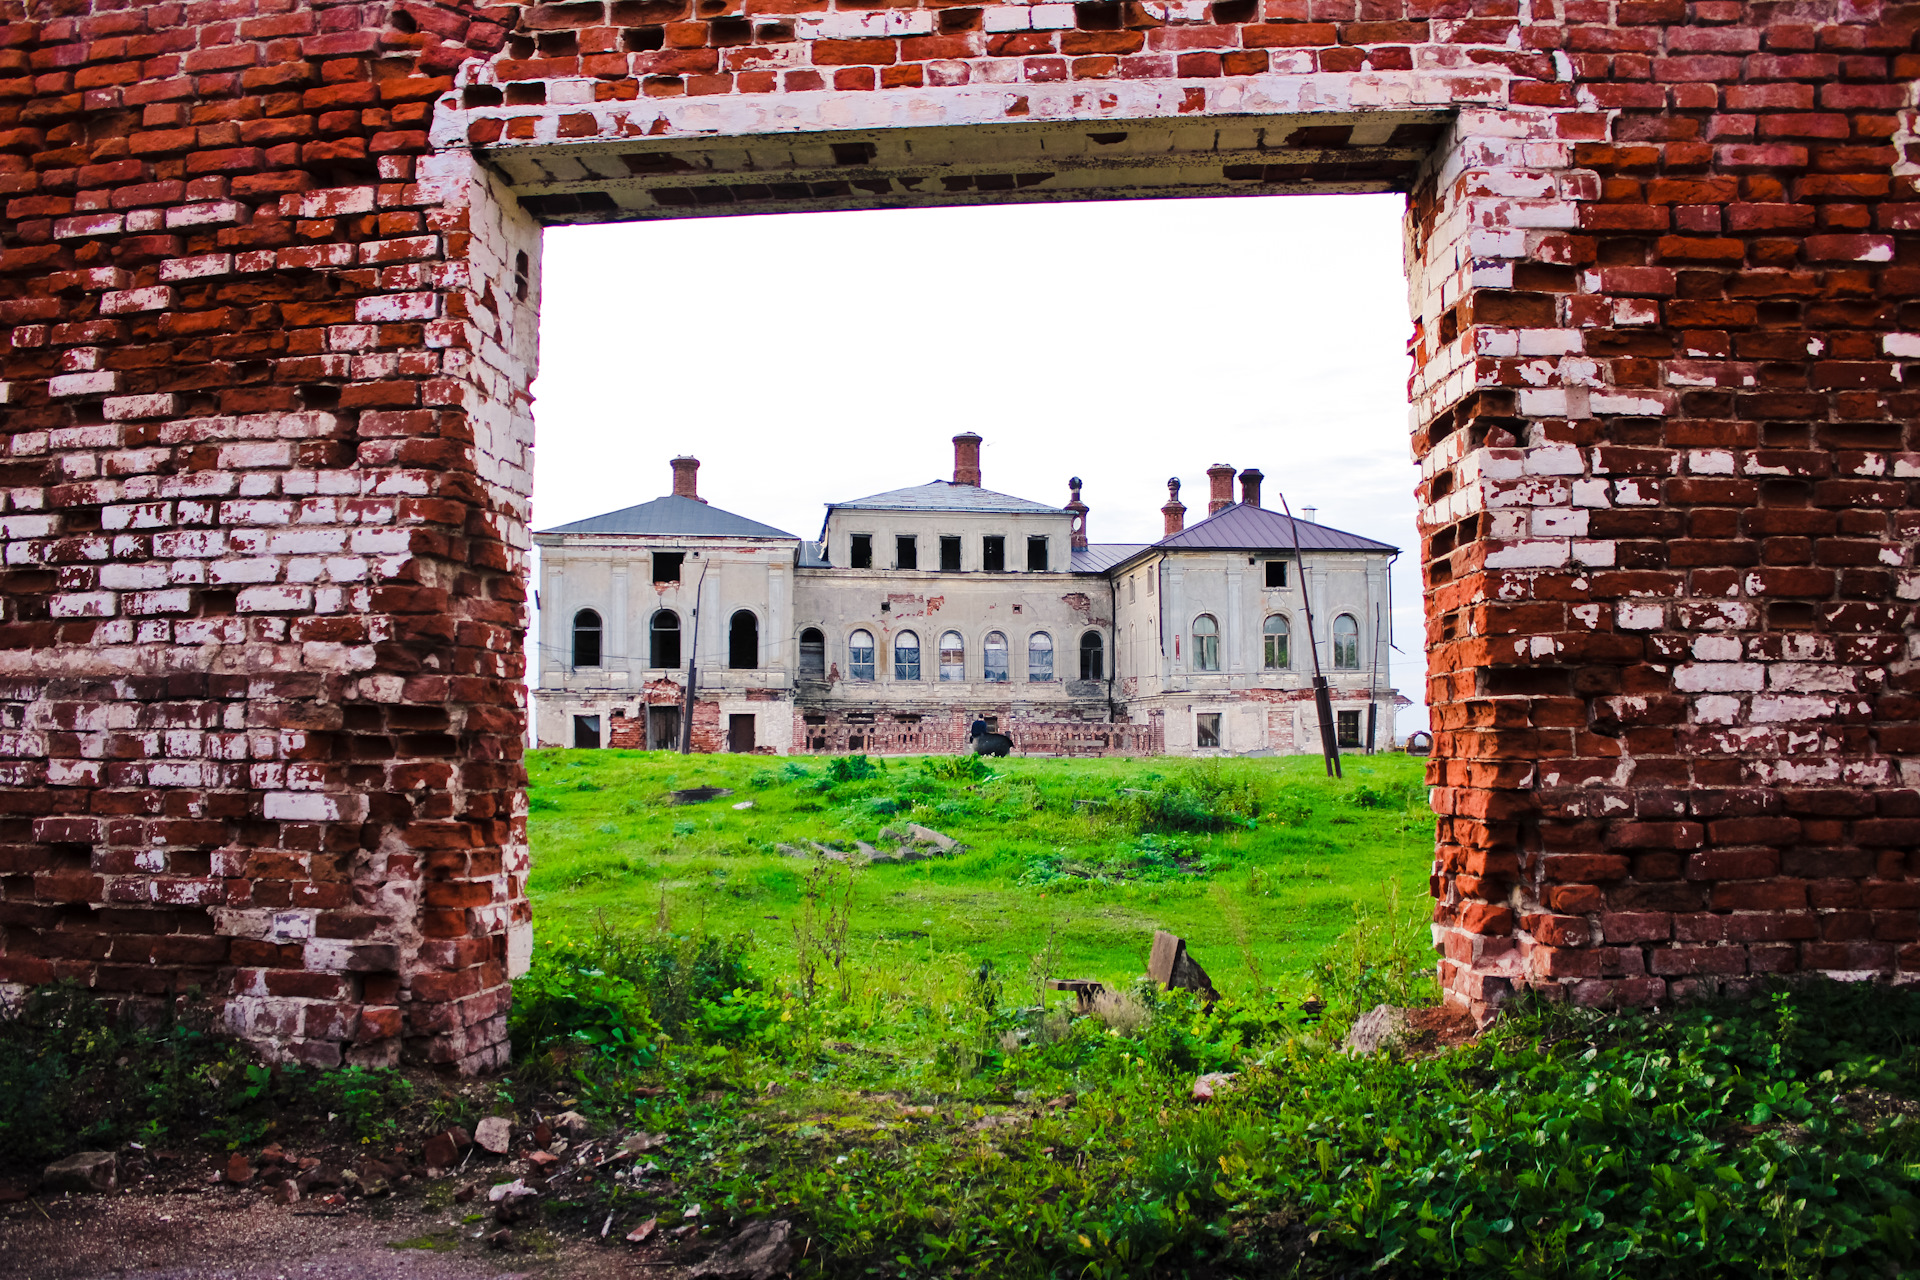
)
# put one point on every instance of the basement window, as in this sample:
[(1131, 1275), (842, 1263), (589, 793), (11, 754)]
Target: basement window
[(1206, 729), (666, 565), (1276, 574), (1346, 728), (949, 555), (860, 553), (906, 552), (1037, 555), (993, 553)]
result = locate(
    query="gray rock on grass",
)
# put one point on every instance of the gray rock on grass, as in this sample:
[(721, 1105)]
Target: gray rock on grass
[(83, 1171), (1381, 1027)]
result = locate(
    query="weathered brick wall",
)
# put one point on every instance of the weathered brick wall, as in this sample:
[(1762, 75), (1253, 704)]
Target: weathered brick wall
[(268, 332), (1669, 530), (264, 374)]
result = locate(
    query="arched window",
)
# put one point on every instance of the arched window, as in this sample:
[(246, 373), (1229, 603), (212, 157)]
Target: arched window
[(1092, 657), (860, 655), (1206, 643), (1040, 657), (953, 656), (1346, 643), (813, 654), (995, 649), (1274, 637), (586, 638), (743, 641), (906, 656), (665, 638)]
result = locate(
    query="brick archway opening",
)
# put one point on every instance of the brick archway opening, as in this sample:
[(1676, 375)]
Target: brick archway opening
[(270, 281)]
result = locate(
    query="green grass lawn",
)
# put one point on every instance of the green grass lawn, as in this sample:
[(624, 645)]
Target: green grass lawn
[(1093, 855)]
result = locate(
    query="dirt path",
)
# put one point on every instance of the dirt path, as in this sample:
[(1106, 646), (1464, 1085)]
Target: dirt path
[(219, 1235)]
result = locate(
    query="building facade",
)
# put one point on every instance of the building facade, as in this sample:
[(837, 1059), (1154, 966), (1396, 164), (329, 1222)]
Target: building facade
[(918, 610)]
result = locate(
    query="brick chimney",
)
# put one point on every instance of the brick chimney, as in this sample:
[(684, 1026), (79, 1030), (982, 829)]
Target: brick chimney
[(1220, 475), (1250, 486), (686, 478), (1175, 512), (1079, 510), (966, 459)]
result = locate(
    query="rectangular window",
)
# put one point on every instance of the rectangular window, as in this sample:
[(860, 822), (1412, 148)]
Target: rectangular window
[(1206, 729), (666, 565), (860, 554), (993, 553), (586, 731), (906, 552), (1346, 728), (1036, 555), (1276, 573), (949, 555)]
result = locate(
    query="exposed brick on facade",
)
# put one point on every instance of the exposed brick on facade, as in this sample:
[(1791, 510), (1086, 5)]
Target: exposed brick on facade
[(267, 333), (946, 733)]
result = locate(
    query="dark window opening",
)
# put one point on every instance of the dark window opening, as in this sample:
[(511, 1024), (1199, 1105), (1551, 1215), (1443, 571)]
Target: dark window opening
[(586, 731), (906, 552), (1092, 666), (740, 734), (586, 638), (665, 638), (993, 553), (860, 554), (522, 273), (663, 728), (813, 654), (1346, 727), (949, 555), (1037, 555), (1206, 729), (743, 641), (666, 565), (1276, 573)]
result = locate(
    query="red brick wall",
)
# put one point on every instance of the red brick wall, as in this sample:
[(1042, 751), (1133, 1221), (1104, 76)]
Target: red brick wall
[(265, 361), (262, 613)]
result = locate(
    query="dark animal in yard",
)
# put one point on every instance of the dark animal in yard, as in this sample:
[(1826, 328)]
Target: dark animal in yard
[(991, 744)]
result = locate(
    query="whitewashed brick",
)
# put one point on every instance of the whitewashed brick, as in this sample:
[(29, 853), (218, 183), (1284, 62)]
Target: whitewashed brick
[(97, 383), (134, 408), (130, 301)]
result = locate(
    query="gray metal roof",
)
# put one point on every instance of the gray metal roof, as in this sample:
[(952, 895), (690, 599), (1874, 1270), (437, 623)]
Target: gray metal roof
[(1243, 528), (944, 495), (813, 555), (676, 517), (1098, 557)]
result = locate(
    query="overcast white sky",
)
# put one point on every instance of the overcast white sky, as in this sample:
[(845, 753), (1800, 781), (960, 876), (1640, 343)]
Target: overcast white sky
[(805, 358)]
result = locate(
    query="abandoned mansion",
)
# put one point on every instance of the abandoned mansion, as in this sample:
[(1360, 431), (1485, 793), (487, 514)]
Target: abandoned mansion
[(673, 623)]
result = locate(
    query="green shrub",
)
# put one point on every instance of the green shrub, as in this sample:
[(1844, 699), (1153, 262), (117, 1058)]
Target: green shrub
[(956, 768)]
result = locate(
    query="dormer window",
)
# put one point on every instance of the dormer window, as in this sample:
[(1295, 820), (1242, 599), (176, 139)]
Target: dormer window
[(1036, 555), (860, 552), (949, 555), (906, 552), (993, 553)]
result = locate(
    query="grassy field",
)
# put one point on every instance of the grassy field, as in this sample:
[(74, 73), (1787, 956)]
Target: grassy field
[(1259, 864)]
